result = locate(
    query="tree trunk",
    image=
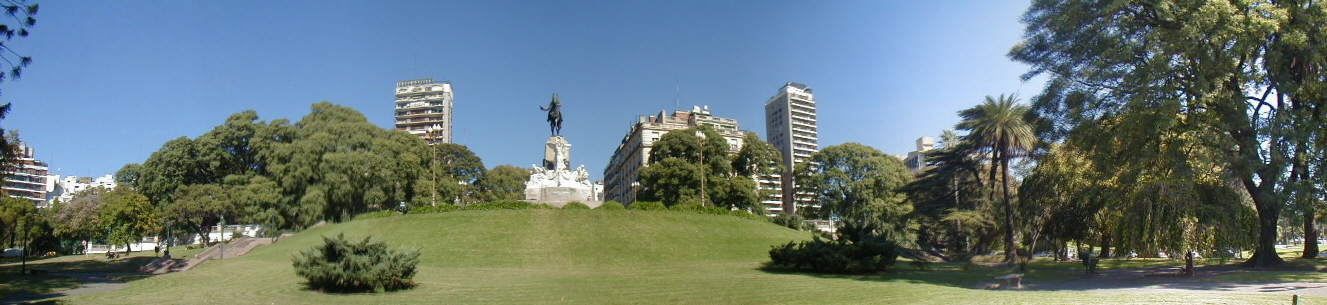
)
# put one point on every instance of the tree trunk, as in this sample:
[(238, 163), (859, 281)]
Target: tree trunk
[(1009, 246), (1264, 255), (1105, 245), (1310, 232)]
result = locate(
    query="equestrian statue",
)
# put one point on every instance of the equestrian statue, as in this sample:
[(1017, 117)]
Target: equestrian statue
[(554, 115)]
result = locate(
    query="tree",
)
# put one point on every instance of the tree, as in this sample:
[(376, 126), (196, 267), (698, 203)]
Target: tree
[(24, 16), (128, 174), (199, 207), (997, 126), (860, 184), (1246, 77), (674, 174), (15, 214), (757, 160), (503, 183), (461, 165), (127, 216), (78, 218)]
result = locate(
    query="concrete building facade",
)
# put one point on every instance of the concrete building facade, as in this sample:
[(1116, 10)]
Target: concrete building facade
[(68, 186), (916, 161), (622, 175), (424, 108), (790, 125), (29, 179)]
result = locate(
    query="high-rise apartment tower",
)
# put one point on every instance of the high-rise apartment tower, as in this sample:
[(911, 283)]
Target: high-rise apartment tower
[(790, 125), (424, 108)]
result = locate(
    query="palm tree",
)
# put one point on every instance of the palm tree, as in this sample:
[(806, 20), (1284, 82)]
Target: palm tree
[(997, 126)]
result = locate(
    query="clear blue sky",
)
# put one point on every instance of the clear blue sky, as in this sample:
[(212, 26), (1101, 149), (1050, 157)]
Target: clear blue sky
[(112, 81)]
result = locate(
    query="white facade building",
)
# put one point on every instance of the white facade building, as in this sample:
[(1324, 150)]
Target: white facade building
[(790, 125), (65, 188), (424, 108)]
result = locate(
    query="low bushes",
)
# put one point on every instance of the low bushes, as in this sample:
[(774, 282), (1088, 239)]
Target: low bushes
[(695, 208), (441, 208), (611, 206), (858, 250), (575, 205), (647, 206), (347, 266), (378, 214), (794, 222)]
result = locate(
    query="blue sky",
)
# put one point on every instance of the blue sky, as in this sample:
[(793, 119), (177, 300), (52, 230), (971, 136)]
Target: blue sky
[(112, 81)]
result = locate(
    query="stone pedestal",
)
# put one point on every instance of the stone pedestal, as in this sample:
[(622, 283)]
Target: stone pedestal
[(555, 183)]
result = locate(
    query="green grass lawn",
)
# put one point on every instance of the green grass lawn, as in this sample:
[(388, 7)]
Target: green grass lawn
[(575, 257)]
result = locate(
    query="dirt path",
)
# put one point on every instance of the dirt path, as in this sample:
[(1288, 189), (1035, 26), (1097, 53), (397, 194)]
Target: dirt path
[(92, 283), (1165, 281)]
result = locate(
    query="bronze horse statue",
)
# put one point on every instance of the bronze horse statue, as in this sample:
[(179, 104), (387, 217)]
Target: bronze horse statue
[(554, 115)]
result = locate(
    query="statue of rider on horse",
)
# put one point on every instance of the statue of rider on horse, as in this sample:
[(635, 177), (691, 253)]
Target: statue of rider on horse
[(554, 115)]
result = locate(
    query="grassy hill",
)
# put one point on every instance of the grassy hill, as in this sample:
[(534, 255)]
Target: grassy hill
[(575, 257)]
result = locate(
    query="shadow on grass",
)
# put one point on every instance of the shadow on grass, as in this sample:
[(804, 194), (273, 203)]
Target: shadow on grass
[(123, 265), (15, 284), (353, 290), (959, 275)]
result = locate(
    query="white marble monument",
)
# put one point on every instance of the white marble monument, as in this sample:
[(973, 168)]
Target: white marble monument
[(555, 183)]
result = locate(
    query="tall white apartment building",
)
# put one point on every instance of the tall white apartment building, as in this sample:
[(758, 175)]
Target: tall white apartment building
[(28, 179), (424, 108), (790, 125), (622, 175)]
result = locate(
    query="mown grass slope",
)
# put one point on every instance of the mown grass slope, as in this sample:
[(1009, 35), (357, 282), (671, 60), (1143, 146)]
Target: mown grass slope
[(582, 256)]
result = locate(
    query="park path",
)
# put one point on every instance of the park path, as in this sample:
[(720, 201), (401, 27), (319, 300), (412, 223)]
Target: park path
[(92, 283), (1160, 281)]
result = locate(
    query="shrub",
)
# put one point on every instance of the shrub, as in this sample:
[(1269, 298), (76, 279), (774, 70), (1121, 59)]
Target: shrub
[(647, 206), (575, 205), (611, 206), (857, 251), (378, 214), (342, 265), (794, 222), (504, 205), (434, 209)]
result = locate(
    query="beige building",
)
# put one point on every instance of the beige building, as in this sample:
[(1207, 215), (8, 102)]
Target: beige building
[(790, 125), (915, 161), (29, 179), (424, 108), (623, 172)]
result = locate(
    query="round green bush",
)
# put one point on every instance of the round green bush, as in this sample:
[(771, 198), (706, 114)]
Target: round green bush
[(575, 205), (341, 265), (611, 206)]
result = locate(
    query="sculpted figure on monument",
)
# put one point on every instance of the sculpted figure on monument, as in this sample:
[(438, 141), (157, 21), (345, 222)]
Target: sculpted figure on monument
[(554, 115)]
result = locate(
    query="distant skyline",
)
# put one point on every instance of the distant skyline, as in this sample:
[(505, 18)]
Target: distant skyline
[(112, 81)]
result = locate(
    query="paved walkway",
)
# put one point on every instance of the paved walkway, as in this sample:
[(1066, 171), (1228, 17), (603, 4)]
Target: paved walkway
[(1156, 281), (92, 283)]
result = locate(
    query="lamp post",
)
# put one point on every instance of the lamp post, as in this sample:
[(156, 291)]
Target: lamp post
[(222, 240), (700, 135), (433, 166)]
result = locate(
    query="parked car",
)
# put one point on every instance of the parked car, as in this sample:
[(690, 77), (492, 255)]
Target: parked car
[(12, 252)]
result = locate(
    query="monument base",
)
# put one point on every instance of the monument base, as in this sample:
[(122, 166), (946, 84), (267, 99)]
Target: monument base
[(555, 183)]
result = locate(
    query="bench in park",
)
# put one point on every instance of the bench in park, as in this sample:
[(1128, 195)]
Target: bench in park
[(38, 271), (1010, 281)]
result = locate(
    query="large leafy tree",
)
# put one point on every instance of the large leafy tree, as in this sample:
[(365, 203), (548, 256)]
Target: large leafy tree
[(503, 182), (199, 207), (1245, 75), (78, 218), (127, 216), (860, 184), (997, 126), (674, 175)]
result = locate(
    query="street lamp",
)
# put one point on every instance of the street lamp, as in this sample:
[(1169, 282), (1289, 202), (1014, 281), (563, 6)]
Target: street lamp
[(700, 135)]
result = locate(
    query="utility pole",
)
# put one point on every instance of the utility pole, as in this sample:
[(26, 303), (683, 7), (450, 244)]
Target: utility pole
[(222, 240)]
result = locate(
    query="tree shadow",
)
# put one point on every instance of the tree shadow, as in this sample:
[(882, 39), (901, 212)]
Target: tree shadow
[(958, 275), (123, 265)]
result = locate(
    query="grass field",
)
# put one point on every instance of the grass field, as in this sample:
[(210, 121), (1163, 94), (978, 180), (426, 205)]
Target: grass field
[(575, 257)]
